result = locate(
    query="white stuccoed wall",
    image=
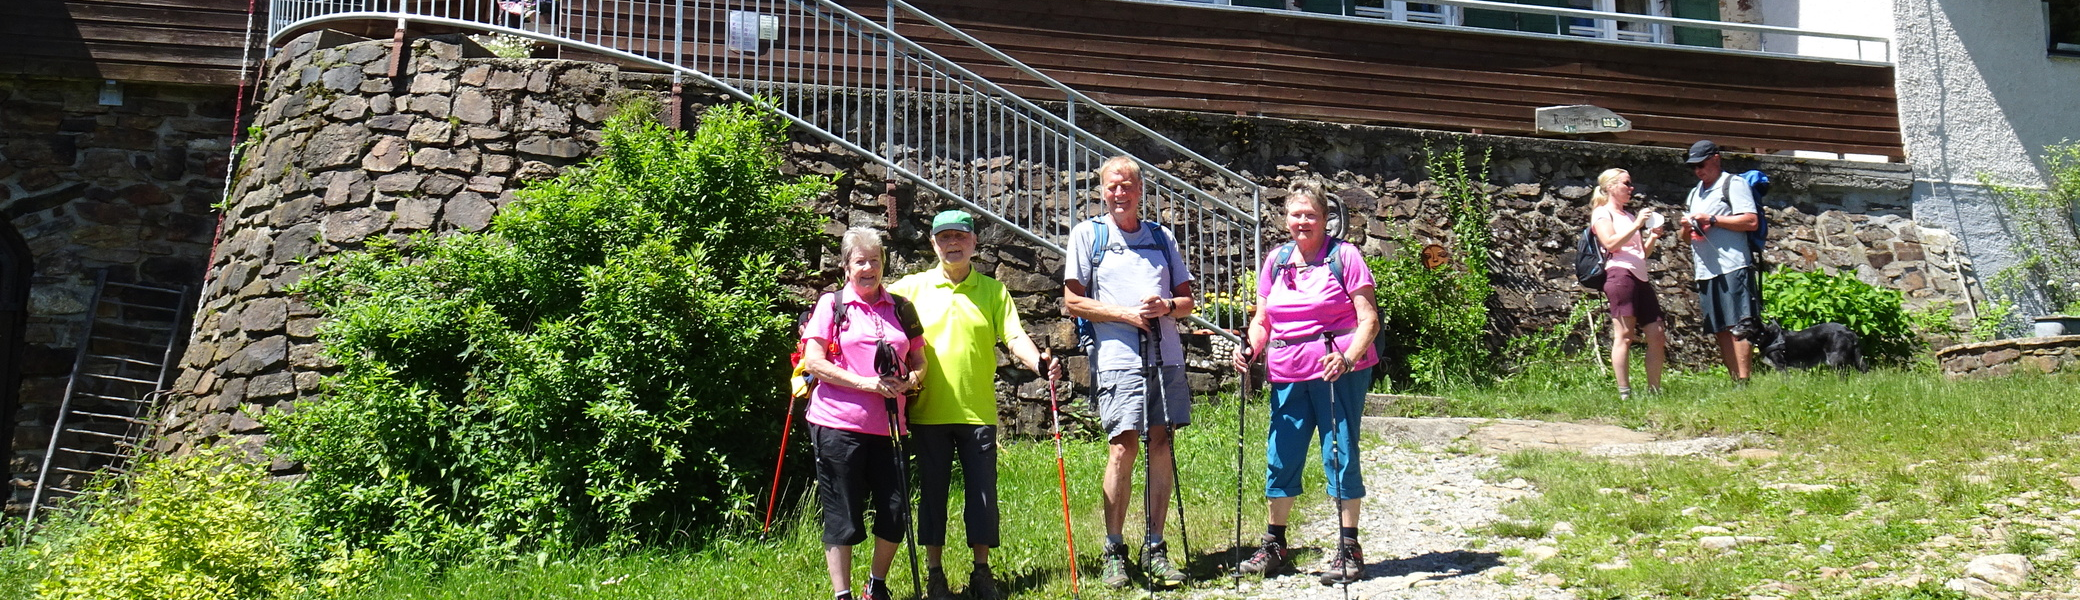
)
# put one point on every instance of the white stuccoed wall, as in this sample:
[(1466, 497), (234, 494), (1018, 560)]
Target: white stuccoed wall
[(1858, 17), (1977, 94)]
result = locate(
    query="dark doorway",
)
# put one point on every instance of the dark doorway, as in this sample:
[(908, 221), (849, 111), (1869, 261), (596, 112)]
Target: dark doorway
[(15, 268)]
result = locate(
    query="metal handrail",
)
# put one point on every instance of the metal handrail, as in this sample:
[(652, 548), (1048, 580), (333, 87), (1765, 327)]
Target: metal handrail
[(1076, 96), (1106, 145), (863, 87), (1561, 12)]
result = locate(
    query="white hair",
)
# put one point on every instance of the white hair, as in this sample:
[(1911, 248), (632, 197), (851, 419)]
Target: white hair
[(859, 238)]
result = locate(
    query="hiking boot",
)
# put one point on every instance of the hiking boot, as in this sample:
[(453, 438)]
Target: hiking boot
[(1272, 557), (981, 584), (935, 585), (1624, 393), (1347, 566), (1115, 568), (1155, 564)]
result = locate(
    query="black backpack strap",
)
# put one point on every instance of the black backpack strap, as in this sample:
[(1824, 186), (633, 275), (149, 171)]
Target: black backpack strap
[(906, 313)]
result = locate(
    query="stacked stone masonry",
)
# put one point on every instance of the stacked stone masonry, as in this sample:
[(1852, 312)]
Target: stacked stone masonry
[(1997, 358), (348, 155), (125, 188)]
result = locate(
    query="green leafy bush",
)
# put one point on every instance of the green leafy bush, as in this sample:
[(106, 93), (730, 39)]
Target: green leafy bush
[(1436, 319), (1801, 299), (202, 527), (585, 372)]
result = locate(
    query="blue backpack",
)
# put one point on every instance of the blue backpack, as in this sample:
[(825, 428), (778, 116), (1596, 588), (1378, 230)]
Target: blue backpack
[(1758, 186), (1086, 332), (1284, 259)]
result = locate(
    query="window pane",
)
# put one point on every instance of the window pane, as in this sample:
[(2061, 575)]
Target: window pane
[(1703, 10), (2065, 26)]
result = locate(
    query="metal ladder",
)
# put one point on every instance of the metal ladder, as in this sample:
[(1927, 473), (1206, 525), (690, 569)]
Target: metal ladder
[(885, 89), (119, 376)]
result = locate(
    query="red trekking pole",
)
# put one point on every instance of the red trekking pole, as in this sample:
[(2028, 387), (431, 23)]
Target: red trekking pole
[(799, 386), (774, 495), (1061, 468)]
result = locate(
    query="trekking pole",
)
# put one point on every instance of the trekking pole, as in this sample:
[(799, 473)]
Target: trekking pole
[(1242, 388), (1336, 483), (1184, 534), (774, 496), (903, 474), (1061, 469), (1148, 507)]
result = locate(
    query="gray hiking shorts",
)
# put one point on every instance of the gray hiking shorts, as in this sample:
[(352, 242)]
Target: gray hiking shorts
[(1123, 400)]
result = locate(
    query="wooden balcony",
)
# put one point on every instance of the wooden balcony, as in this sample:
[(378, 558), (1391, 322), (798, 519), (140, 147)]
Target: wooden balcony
[(1163, 56), (1297, 66)]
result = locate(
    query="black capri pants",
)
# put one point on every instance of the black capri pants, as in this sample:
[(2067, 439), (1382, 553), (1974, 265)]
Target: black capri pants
[(937, 445), (853, 469)]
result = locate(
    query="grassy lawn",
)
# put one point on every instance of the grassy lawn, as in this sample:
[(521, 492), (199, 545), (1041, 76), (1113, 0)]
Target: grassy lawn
[(1887, 484), (1031, 562), (1873, 486)]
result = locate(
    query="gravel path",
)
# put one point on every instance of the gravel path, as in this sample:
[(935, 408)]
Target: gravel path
[(1414, 530)]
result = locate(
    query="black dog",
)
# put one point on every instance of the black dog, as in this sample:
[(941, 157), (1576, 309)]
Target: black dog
[(1832, 344)]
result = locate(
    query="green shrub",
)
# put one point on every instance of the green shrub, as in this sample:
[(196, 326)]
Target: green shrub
[(200, 527), (1436, 319), (1801, 299), (585, 372)]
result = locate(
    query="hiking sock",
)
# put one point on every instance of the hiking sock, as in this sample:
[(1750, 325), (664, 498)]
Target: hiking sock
[(1115, 539), (878, 588), (1277, 532), (844, 595), (1155, 538), (1348, 532)]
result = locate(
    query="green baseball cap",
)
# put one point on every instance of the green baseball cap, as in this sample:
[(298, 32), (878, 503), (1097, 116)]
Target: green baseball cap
[(955, 220)]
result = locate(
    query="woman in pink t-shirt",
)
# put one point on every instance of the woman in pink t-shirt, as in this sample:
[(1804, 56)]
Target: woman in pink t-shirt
[(856, 458), (1314, 329), (1626, 281)]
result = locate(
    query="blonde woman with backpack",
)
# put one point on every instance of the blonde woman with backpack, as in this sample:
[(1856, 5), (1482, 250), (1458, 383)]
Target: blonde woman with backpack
[(1627, 282)]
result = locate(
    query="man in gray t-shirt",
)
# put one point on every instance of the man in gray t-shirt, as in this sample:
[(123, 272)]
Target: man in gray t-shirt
[(1721, 213), (1142, 289)]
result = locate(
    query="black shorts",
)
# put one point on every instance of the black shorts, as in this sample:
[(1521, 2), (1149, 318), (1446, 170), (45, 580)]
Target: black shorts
[(851, 469), (1728, 298)]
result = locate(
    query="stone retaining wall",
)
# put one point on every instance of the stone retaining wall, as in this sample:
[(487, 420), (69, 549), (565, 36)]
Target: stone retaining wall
[(346, 155), (124, 188), (349, 155), (2005, 357)]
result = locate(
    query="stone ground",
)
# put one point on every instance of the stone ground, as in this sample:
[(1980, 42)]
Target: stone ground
[(1427, 495)]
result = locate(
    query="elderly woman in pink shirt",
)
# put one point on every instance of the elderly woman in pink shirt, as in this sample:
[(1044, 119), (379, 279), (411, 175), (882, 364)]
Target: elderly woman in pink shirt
[(866, 349), (1314, 325), (1627, 283)]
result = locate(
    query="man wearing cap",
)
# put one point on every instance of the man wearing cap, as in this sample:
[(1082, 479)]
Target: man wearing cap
[(965, 313), (1721, 213)]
